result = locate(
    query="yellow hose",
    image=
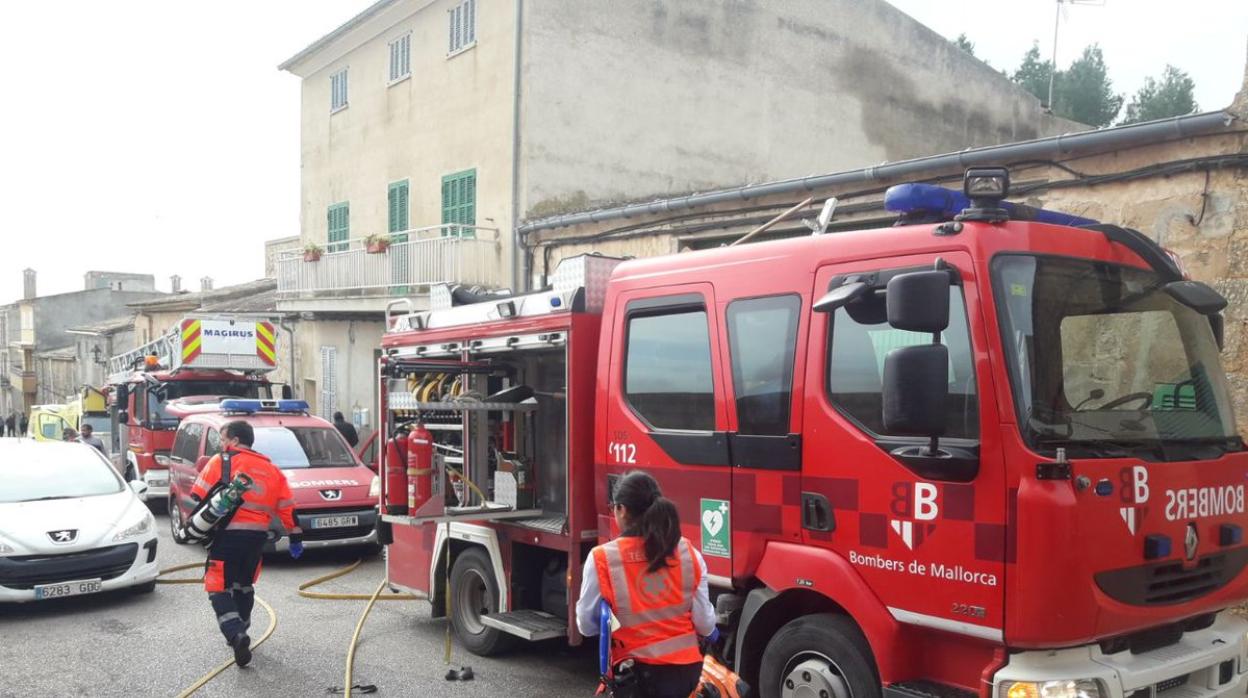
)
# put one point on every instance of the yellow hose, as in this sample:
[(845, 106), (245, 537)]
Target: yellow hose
[(355, 637), (203, 681), (303, 589)]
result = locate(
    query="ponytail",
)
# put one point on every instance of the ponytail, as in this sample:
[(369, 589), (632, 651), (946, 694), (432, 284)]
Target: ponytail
[(653, 516), (660, 529)]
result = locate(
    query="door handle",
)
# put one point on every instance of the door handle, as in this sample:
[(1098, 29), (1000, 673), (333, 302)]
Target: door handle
[(817, 513)]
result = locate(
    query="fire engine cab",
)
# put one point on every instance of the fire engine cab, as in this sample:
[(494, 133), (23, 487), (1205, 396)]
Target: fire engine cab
[(987, 451), (206, 356)]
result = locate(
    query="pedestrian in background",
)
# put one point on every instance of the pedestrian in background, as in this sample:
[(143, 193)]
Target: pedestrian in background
[(69, 434), (347, 429), (655, 582), (10, 425), (25, 425), (233, 565), (88, 437)]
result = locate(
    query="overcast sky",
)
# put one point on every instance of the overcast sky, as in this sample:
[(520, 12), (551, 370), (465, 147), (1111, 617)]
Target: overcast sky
[(159, 137)]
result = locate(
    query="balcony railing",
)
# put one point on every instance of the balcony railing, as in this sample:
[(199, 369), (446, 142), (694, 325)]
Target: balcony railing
[(432, 255)]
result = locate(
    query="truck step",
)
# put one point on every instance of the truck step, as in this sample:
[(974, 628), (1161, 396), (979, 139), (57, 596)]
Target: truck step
[(528, 624), (926, 689)]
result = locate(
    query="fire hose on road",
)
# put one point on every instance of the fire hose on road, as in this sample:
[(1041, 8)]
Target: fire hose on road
[(304, 591)]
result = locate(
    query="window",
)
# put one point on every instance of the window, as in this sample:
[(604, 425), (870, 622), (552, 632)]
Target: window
[(186, 443), (338, 90), (339, 227), (400, 58), (762, 338), (1105, 363), (304, 447), (459, 203), (329, 381), (213, 445), (396, 201), (861, 338), (462, 23), (667, 371)]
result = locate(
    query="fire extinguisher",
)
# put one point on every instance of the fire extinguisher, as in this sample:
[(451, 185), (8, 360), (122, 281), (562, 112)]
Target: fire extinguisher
[(396, 474), (419, 467)]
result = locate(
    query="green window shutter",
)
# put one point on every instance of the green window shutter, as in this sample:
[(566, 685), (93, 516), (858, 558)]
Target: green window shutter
[(339, 218), (459, 201), (397, 203)]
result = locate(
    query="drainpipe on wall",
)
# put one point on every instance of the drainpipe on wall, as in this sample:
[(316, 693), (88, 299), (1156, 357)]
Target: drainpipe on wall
[(519, 271), (290, 334)]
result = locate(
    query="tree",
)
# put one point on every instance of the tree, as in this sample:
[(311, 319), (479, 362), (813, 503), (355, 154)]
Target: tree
[(1086, 93), (1033, 74), (964, 43), (1172, 96)]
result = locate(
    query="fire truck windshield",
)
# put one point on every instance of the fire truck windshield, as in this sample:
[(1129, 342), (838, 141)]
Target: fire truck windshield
[(157, 400), (1106, 364)]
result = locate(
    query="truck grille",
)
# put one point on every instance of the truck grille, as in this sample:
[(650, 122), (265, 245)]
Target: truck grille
[(28, 571), (1170, 582), (1163, 686)]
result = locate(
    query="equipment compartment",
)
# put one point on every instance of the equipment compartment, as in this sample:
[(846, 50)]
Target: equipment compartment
[(498, 428)]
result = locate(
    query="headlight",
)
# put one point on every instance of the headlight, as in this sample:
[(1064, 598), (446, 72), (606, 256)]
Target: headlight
[(139, 528), (374, 489), (1074, 688), (6, 549), (162, 459)]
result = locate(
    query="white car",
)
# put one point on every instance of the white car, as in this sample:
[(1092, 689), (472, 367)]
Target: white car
[(69, 524)]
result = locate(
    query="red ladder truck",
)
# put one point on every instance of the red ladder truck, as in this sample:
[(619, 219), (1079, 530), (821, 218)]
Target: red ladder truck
[(988, 451), (204, 358)]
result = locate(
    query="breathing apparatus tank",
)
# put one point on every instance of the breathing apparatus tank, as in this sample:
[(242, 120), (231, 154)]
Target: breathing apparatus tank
[(219, 505), (419, 467), (396, 474)]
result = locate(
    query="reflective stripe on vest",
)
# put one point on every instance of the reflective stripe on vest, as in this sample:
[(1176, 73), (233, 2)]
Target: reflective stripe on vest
[(654, 608)]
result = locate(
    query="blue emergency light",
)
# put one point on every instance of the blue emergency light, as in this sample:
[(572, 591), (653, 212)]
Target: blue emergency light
[(254, 406), (928, 203)]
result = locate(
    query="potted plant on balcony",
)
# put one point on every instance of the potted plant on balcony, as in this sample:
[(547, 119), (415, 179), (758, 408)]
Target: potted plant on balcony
[(312, 252), (376, 243)]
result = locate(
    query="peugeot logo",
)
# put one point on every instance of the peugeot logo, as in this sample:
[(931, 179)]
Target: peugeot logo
[(1191, 542), (331, 495), (63, 537)]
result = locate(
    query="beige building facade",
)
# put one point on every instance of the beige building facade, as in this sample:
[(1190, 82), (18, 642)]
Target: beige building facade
[(422, 116)]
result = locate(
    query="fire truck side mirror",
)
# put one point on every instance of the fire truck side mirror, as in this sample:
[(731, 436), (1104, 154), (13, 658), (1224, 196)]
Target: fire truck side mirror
[(123, 417), (916, 390), (287, 393), (919, 301)]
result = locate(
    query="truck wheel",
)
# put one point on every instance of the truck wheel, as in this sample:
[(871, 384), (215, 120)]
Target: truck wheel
[(818, 655), (175, 521), (474, 593)]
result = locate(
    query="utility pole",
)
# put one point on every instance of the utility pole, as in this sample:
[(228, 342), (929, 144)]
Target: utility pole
[(1057, 23)]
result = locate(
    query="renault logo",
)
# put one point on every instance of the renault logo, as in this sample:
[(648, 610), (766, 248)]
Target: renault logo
[(1191, 542), (63, 537), (331, 495)]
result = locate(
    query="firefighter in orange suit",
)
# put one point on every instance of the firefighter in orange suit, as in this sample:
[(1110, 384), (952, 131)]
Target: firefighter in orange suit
[(234, 555), (655, 582)]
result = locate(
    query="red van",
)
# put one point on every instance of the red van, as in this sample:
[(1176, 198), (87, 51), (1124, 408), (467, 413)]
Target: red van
[(335, 496)]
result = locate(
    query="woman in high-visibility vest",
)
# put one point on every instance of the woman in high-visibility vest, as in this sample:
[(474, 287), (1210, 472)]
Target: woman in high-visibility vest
[(655, 582)]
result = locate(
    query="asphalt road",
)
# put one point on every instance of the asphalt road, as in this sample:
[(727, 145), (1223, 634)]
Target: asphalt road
[(127, 644)]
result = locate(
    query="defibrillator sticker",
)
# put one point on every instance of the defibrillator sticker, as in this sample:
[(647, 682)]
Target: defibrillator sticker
[(716, 528)]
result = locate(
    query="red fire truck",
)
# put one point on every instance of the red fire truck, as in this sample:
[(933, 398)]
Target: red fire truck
[(988, 451), (208, 356)]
